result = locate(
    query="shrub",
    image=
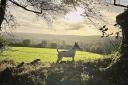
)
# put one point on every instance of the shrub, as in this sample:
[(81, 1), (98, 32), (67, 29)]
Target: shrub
[(3, 44), (26, 42), (53, 45), (43, 44)]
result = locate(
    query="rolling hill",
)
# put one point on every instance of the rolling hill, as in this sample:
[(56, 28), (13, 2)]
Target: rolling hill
[(69, 39)]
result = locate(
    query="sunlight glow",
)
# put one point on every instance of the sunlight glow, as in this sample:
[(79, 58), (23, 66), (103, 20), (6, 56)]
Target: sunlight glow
[(74, 16)]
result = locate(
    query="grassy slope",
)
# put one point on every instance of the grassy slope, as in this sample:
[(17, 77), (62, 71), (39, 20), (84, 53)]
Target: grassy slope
[(79, 73), (27, 54)]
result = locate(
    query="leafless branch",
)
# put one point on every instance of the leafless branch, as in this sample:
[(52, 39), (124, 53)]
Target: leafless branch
[(119, 4), (39, 6), (23, 7)]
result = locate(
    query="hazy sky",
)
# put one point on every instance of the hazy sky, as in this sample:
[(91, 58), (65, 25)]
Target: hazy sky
[(70, 24)]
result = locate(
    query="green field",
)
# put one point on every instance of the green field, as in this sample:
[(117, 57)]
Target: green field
[(43, 73), (28, 54)]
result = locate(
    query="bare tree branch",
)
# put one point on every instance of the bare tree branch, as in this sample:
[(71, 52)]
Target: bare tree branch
[(119, 4), (34, 11), (17, 4), (2, 11)]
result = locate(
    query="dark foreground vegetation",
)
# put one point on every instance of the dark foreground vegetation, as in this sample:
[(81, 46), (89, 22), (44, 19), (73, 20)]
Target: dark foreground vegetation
[(65, 73)]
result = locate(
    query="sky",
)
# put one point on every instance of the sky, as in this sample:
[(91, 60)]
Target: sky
[(70, 24)]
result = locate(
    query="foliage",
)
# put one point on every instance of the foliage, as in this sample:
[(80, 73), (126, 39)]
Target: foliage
[(53, 45), (117, 74), (107, 46), (43, 44), (3, 44), (26, 42), (69, 73), (47, 9)]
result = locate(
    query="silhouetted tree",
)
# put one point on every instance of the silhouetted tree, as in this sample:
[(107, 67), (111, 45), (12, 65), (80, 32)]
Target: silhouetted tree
[(3, 44), (44, 8), (26, 42), (63, 44), (43, 44), (2, 11), (53, 45), (119, 71), (122, 20)]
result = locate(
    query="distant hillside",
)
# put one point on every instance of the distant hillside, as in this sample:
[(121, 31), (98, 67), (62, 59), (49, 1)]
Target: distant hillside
[(69, 39)]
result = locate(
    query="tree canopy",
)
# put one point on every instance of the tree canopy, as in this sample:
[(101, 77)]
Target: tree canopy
[(46, 8)]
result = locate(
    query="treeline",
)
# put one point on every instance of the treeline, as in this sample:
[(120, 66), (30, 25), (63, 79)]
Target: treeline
[(106, 47), (42, 44), (103, 47)]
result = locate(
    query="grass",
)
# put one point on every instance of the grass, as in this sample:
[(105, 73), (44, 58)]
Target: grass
[(81, 72), (28, 54)]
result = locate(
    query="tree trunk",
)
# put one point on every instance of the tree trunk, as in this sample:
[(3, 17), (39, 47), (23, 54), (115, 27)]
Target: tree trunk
[(122, 20), (118, 73), (2, 11), (124, 49)]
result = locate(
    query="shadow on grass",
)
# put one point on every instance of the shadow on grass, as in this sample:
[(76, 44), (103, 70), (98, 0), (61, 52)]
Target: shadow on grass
[(65, 73)]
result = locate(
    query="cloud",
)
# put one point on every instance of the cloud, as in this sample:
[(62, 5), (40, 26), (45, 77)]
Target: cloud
[(77, 26), (29, 23)]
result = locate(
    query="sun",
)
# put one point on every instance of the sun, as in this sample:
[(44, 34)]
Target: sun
[(74, 16)]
